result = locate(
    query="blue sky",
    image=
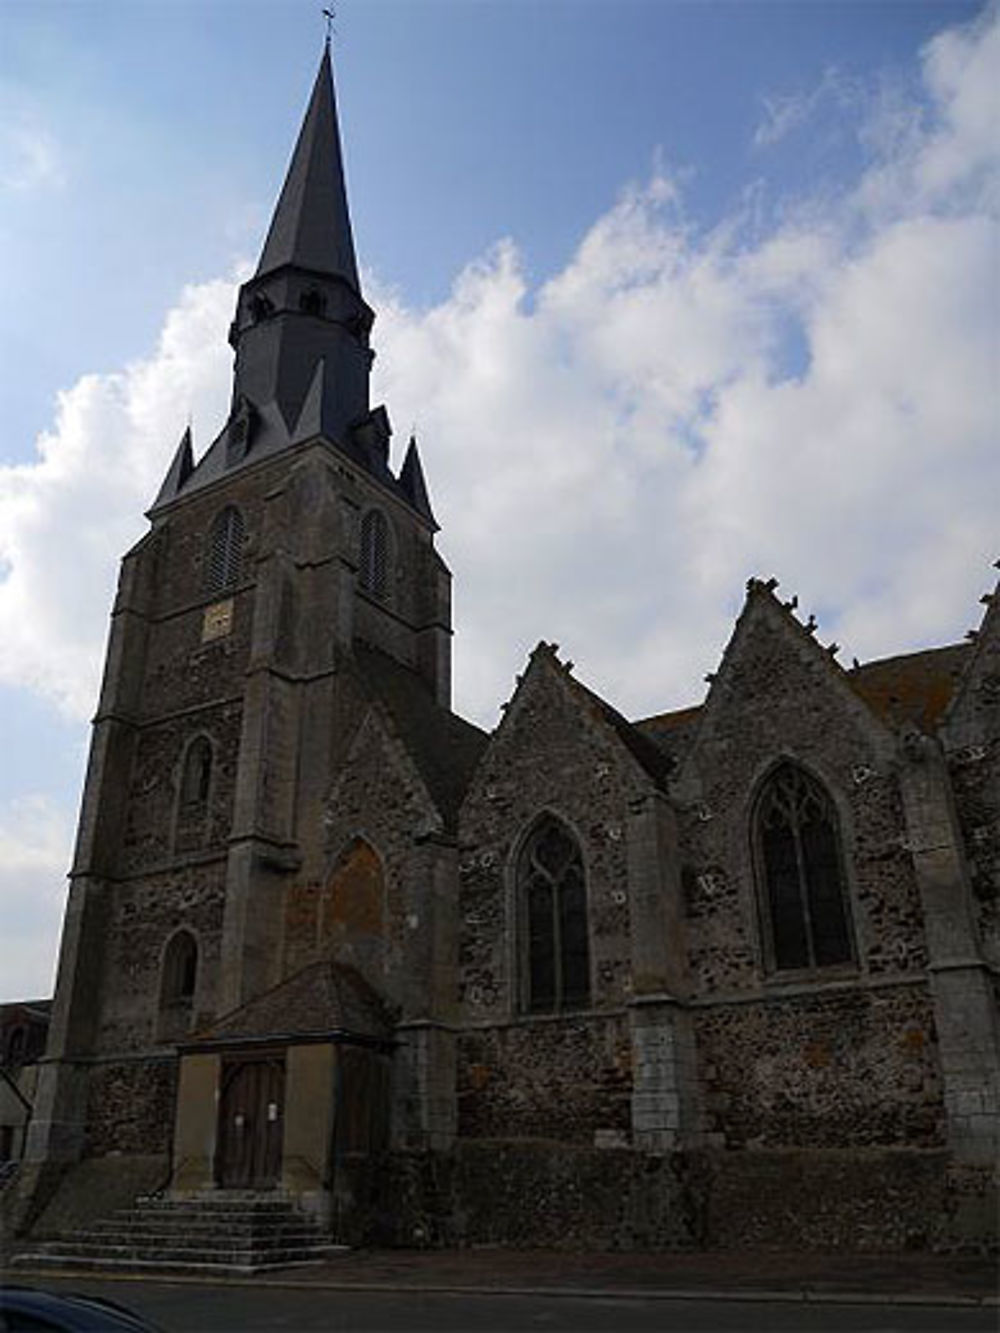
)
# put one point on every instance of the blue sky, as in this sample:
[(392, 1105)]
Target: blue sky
[(676, 292)]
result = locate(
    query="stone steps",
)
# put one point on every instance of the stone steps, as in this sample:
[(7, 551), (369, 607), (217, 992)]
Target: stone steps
[(237, 1233)]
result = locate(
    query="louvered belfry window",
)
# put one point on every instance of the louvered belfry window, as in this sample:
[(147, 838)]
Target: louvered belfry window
[(225, 553), (801, 869), (375, 554), (553, 898)]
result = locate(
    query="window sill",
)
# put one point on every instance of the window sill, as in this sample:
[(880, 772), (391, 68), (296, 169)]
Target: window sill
[(802, 976)]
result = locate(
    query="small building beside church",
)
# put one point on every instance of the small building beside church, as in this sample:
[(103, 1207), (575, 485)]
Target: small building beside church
[(727, 975)]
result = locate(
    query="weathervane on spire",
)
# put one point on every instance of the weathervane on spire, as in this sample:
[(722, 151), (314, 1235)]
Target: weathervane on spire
[(329, 14)]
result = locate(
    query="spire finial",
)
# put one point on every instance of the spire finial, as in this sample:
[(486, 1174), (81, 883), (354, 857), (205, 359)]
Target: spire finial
[(329, 14)]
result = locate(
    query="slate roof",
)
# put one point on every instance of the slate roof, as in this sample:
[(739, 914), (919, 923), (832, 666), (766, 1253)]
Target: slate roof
[(673, 732), (444, 747), (654, 760), (912, 687), (324, 999)]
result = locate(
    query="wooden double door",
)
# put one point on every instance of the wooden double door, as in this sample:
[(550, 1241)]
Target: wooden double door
[(251, 1122)]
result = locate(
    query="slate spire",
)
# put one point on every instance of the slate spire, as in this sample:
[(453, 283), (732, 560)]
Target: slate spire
[(303, 305), (311, 226)]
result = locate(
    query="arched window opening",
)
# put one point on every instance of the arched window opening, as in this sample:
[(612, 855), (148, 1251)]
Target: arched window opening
[(800, 867), (196, 778), (553, 903), (180, 971), (375, 554), (225, 553)]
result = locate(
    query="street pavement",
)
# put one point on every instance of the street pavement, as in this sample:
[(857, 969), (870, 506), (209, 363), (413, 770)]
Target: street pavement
[(492, 1290)]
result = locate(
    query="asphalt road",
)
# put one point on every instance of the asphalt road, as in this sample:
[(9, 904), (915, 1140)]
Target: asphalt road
[(205, 1308)]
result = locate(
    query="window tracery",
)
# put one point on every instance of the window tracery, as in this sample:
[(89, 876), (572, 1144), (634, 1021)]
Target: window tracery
[(553, 901), (800, 868)]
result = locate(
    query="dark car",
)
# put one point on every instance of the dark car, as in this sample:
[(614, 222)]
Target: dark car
[(24, 1309)]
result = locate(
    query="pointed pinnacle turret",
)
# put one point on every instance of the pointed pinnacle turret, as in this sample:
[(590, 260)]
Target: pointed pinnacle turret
[(411, 479), (311, 226), (181, 467)]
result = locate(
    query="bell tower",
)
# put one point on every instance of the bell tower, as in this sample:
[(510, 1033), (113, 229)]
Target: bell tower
[(276, 565)]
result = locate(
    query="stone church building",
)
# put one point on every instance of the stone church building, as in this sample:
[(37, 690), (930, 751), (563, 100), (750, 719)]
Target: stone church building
[(727, 975)]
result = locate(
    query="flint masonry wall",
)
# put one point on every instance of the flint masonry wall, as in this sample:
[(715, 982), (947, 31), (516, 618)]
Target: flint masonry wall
[(185, 685), (569, 1076), (839, 1055)]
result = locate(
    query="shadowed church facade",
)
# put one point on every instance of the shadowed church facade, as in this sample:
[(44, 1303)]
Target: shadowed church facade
[(725, 975)]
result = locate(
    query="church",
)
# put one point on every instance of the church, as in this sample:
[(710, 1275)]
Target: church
[(721, 976)]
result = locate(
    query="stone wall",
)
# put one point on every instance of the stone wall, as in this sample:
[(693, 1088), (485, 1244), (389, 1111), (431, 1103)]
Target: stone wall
[(975, 776), (853, 1200), (521, 1195), (146, 912), (546, 1196), (777, 697), (130, 1107), (553, 753), (851, 1068), (564, 1079)]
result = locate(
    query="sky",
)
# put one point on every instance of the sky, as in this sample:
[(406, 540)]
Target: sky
[(673, 293)]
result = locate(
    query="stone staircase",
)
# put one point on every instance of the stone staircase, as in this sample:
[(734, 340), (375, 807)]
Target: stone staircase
[(221, 1232)]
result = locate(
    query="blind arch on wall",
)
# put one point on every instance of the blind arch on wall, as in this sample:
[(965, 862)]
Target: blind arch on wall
[(800, 871), (552, 901)]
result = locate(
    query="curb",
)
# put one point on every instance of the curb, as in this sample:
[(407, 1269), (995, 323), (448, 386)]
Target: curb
[(747, 1295)]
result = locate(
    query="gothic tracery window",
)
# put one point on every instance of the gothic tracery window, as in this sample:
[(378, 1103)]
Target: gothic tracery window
[(553, 902), (374, 571), (800, 867), (225, 550)]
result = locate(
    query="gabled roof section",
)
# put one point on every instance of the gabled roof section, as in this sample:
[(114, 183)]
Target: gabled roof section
[(311, 226), (731, 687), (325, 999), (443, 746), (654, 763)]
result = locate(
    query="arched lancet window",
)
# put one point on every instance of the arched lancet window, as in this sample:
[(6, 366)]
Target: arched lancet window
[(196, 776), (180, 971), (800, 869), (225, 553), (553, 903), (374, 572)]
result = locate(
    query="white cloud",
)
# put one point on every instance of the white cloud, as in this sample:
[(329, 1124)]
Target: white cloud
[(34, 857), (674, 410), (784, 113), (67, 518), (30, 157)]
